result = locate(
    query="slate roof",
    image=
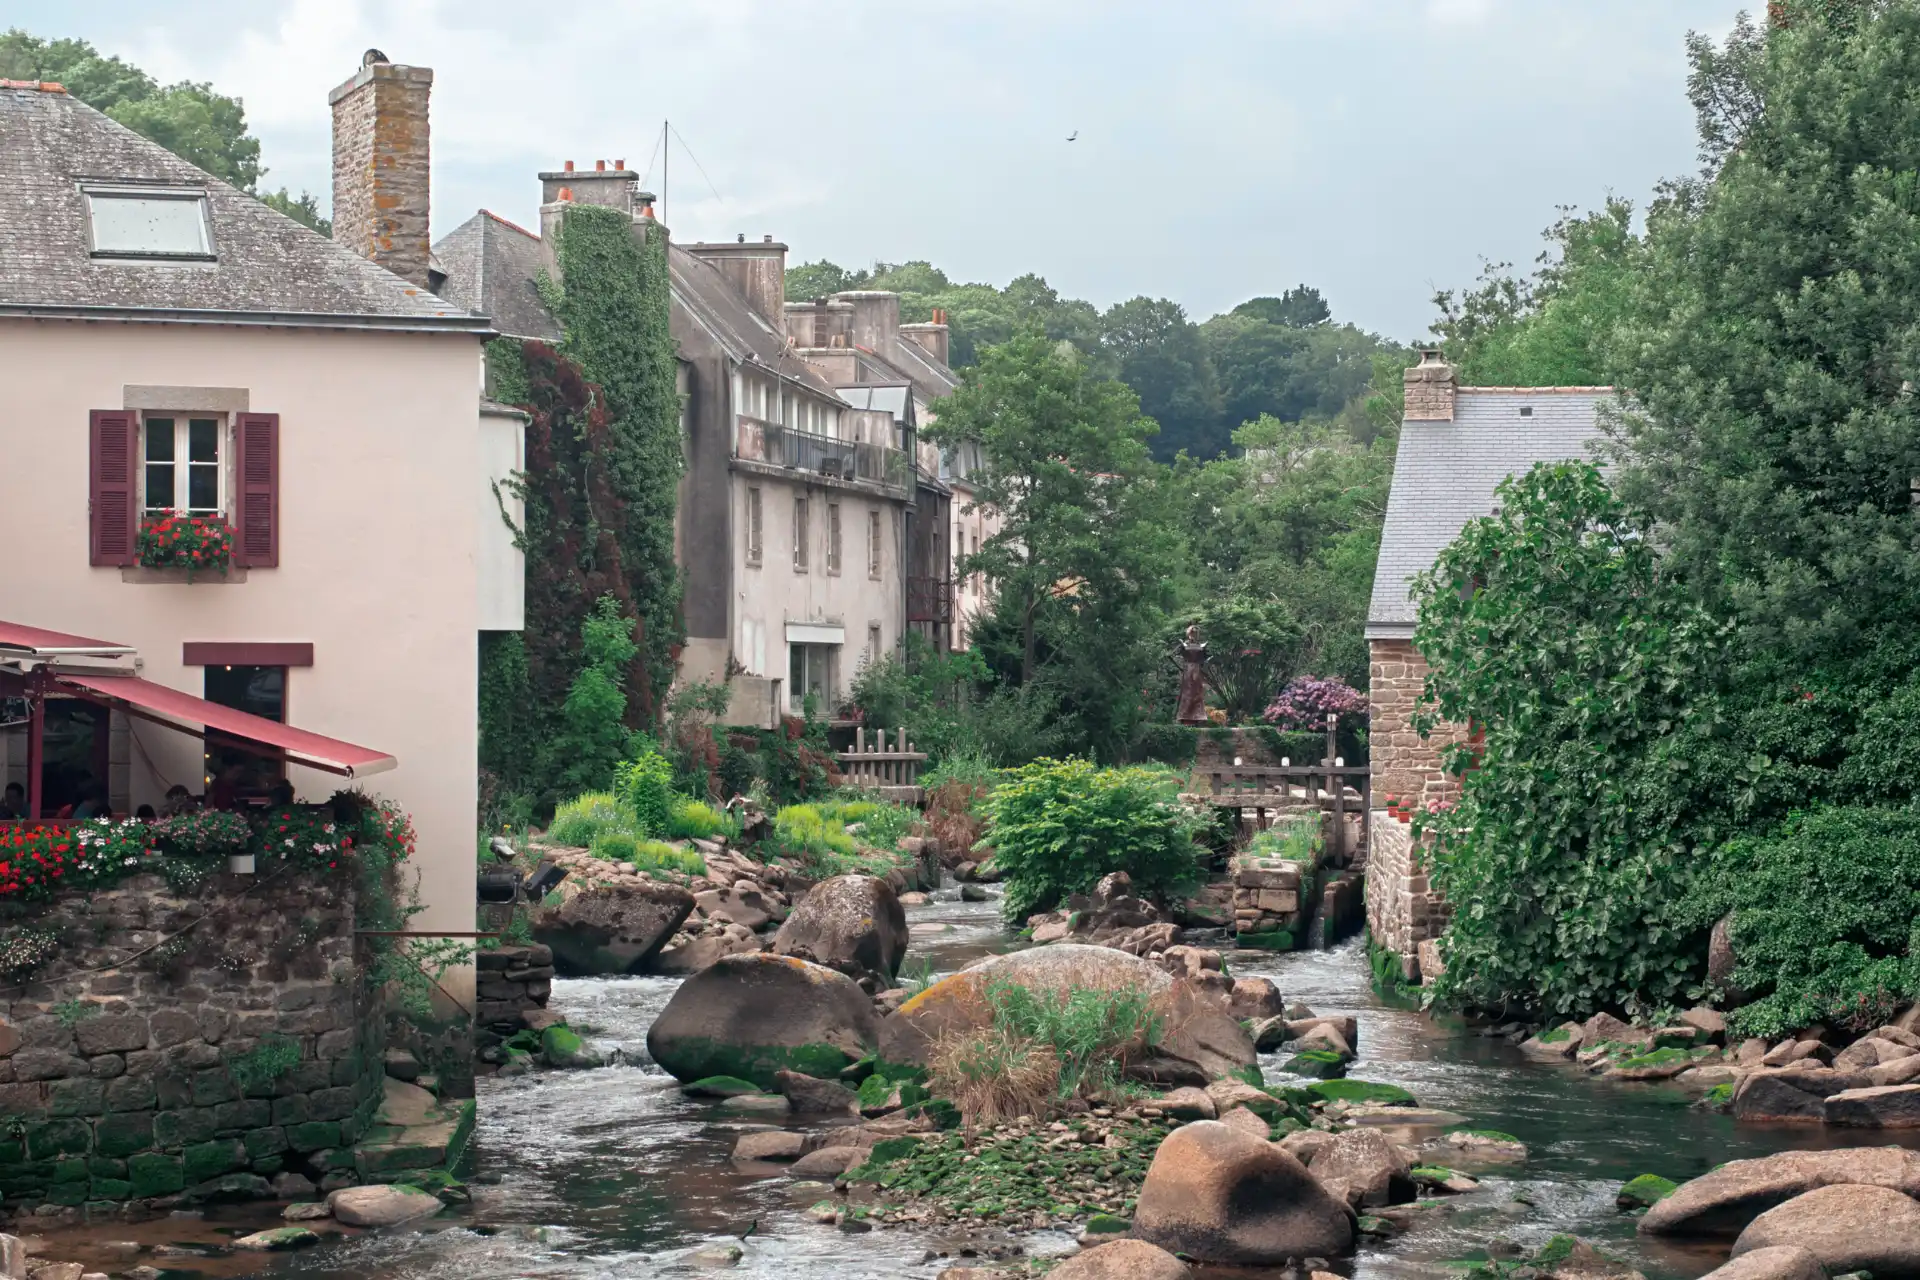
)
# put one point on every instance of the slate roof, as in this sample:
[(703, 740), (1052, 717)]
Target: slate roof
[(1446, 472), (705, 297), (491, 266), (267, 268)]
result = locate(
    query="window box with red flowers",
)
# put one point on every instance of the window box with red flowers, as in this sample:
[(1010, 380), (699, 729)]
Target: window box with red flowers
[(193, 543)]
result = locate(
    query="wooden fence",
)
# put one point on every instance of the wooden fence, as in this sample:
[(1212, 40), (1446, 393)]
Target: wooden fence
[(873, 763), (1331, 786)]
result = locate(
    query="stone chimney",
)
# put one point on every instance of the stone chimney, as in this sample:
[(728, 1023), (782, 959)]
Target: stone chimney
[(758, 270), (821, 323), (381, 172), (1430, 389), (608, 183), (931, 337), (876, 319)]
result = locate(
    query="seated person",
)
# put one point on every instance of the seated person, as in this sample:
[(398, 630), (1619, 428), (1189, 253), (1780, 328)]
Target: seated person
[(280, 794), (178, 800), (13, 801), (93, 805), (145, 813)]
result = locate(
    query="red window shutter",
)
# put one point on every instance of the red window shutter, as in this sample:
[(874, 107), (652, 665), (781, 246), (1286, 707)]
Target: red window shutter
[(256, 535), (112, 499)]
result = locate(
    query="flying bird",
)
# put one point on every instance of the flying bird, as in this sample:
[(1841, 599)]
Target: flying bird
[(1072, 136)]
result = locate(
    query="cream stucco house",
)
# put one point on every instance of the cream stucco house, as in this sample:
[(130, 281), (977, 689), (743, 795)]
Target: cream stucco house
[(167, 341)]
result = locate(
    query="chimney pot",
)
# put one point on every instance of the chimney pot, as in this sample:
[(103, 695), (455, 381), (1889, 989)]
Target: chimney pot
[(620, 164), (766, 239), (742, 238), (599, 166), (566, 193), (568, 166)]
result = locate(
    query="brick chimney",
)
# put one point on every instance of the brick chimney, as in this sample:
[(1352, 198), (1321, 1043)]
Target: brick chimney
[(1430, 389), (758, 270), (876, 319), (932, 337), (381, 170)]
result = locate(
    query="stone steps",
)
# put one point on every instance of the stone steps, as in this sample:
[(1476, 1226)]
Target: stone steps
[(413, 1132)]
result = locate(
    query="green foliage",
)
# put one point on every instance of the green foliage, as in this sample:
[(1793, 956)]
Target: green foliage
[(71, 1013), (816, 835), (302, 208), (1058, 826), (1361, 1092), (645, 786), (509, 732), (266, 1062), (1573, 847), (1823, 919), (655, 857), (1645, 1191), (696, 820), (583, 819), (593, 736), (1089, 1031), (949, 706), (1295, 839), (1255, 645)]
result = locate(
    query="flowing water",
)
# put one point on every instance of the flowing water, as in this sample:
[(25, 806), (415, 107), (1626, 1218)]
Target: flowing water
[(612, 1173)]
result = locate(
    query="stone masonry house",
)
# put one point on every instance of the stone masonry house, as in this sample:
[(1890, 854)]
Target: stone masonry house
[(1456, 445), (805, 506), (170, 343)]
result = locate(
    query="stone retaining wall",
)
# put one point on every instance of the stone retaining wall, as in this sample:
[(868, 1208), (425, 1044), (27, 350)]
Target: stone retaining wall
[(513, 983), (185, 1047)]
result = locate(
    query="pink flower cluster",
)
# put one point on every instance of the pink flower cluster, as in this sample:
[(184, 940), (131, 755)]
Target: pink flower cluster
[(1307, 701)]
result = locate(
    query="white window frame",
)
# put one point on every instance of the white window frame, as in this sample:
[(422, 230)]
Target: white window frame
[(756, 546), (802, 518), (197, 196), (182, 424)]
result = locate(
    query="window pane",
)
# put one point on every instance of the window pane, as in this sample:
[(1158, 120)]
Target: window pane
[(159, 486), (159, 439), (203, 487), (148, 224), (203, 440)]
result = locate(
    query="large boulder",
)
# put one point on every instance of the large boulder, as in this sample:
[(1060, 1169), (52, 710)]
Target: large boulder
[(744, 904), (851, 923), (753, 1016), (1216, 1195), (1847, 1227), (1199, 1042), (1723, 1202), (1775, 1262), (1256, 998), (1123, 1260), (686, 958), (611, 928), (1791, 1093), (1361, 1167), (1894, 1106), (380, 1206)]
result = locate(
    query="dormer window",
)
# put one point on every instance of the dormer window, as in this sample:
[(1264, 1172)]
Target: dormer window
[(149, 223)]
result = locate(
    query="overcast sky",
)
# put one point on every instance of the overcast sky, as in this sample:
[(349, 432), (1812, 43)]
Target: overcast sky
[(1377, 149)]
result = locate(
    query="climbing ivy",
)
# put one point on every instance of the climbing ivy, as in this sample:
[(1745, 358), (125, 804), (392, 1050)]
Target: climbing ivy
[(599, 492)]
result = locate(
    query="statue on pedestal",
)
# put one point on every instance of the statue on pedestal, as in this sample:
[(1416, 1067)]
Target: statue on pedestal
[(1192, 708)]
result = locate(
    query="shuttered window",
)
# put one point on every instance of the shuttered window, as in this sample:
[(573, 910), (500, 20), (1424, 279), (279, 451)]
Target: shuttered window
[(755, 547), (256, 508), (800, 522), (873, 544), (833, 537), (112, 502)]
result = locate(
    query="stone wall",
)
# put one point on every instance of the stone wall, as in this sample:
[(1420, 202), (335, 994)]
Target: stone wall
[(514, 983), (1402, 909), (185, 1047)]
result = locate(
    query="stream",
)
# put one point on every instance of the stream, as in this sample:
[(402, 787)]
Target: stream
[(611, 1173)]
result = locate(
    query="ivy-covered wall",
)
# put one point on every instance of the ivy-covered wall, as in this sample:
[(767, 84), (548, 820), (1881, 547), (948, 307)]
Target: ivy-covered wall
[(603, 466)]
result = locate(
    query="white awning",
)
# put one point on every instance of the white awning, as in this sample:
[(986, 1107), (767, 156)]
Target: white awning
[(815, 633)]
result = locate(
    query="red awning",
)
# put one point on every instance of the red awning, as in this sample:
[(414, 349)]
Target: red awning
[(36, 641), (179, 710)]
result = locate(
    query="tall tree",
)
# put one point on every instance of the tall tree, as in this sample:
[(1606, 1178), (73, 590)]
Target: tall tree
[(1774, 343), (1158, 352), (1087, 556), (1301, 307)]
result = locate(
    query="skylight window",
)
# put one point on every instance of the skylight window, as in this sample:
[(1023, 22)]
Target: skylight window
[(149, 223)]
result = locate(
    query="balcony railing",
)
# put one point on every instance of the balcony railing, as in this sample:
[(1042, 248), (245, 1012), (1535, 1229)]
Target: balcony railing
[(778, 446), (929, 599)]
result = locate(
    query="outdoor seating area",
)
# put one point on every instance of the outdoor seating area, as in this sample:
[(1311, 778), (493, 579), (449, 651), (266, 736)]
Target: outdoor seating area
[(59, 695)]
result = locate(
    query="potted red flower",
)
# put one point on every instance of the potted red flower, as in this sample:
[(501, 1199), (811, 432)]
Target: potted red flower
[(175, 540)]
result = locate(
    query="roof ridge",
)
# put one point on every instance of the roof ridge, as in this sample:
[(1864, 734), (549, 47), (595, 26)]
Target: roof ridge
[(40, 86), (511, 224), (1539, 391)]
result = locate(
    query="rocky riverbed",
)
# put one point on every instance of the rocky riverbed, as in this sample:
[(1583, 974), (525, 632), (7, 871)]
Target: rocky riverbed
[(614, 1172)]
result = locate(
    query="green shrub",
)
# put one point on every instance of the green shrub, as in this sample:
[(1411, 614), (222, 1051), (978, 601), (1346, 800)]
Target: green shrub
[(1294, 839), (1058, 826), (967, 768), (645, 785), (1824, 913), (695, 820), (654, 856), (802, 831), (581, 820), (882, 825)]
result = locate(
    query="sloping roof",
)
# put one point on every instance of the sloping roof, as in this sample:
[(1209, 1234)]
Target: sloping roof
[(267, 267), (491, 266), (931, 379), (1446, 472), (703, 296)]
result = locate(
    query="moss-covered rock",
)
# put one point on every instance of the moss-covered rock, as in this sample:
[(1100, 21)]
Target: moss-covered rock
[(1318, 1064), (561, 1046), (755, 1015), (1366, 1092), (720, 1087), (1644, 1192)]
